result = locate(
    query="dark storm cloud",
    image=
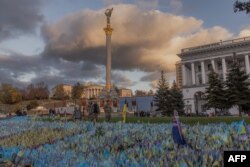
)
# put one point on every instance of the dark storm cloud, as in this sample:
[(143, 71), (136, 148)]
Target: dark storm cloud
[(51, 71), (18, 16), (151, 77), (19, 64), (122, 80)]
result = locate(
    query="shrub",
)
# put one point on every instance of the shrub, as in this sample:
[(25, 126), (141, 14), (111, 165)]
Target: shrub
[(32, 104)]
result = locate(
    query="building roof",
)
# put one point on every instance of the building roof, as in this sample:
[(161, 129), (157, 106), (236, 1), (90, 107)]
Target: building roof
[(124, 89), (62, 85), (217, 45), (93, 85)]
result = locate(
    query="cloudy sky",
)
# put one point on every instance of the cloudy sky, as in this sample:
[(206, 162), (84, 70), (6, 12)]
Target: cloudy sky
[(62, 41)]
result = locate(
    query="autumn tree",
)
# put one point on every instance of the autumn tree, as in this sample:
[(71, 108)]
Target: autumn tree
[(9, 94), (140, 93), (60, 93), (37, 92), (77, 91)]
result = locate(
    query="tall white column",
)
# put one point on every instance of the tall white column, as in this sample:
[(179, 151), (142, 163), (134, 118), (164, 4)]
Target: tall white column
[(108, 30), (193, 73), (203, 75), (224, 69), (183, 74), (213, 64), (247, 64)]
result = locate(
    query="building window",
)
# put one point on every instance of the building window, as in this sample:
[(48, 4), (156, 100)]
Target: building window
[(221, 77), (241, 63), (188, 109), (203, 108), (199, 68), (209, 67), (199, 79), (219, 66), (229, 64)]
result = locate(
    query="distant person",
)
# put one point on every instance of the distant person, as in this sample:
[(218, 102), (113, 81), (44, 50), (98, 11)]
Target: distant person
[(141, 113), (96, 111), (108, 110), (53, 112), (77, 114), (124, 112), (18, 113), (24, 113), (89, 110), (176, 130), (50, 112)]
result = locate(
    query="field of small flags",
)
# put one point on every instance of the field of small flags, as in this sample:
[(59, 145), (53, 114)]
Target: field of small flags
[(39, 143)]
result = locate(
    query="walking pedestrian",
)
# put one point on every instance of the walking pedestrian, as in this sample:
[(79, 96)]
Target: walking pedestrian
[(108, 110), (96, 111), (124, 112)]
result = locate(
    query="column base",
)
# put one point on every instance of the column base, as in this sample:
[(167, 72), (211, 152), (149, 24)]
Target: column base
[(108, 94)]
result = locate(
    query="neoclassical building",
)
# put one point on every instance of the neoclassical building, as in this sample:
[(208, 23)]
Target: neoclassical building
[(197, 62), (92, 91), (124, 92)]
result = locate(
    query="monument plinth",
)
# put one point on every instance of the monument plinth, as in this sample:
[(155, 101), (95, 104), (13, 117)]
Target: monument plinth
[(108, 92)]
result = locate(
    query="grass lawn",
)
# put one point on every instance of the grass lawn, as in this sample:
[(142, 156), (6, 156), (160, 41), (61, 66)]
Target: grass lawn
[(185, 120)]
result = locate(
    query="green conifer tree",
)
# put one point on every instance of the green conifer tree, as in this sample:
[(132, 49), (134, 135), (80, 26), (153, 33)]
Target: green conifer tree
[(162, 97), (177, 102), (237, 86), (215, 93)]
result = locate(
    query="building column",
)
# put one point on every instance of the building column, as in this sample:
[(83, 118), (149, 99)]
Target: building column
[(247, 64), (224, 68), (213, 65), (183, 74), (193, 74), (203, 75)]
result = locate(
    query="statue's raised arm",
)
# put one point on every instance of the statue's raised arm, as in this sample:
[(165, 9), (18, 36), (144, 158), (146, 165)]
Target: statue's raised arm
[(108, 13)]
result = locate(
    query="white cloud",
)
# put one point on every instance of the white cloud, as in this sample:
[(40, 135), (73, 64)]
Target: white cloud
[(245, 32), (144, 40)]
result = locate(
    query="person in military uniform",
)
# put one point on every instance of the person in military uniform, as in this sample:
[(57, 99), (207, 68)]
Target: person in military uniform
[(108, 110)]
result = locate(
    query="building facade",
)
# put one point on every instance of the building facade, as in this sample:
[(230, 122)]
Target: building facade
[(123, 92), (197, 62), (92, 91), (178, 74)]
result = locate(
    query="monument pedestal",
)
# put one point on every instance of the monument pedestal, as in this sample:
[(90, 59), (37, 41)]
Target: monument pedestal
[(108, 94)]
